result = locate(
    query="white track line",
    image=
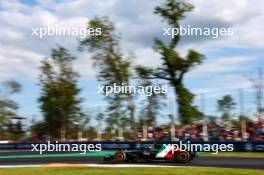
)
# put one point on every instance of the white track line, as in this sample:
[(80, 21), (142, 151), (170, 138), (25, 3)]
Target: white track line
[(93, 165), (129, 165), (19, 166)]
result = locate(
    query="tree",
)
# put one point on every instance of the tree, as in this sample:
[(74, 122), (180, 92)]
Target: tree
[(257, 84), (174, 67), (113, 68), (59, 101), (8, 107), (99, 118), (151, 104), (37, 130), (225, 105)]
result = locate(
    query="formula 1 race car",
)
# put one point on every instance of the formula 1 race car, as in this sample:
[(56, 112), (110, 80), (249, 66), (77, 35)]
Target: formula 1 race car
[(150, 154)]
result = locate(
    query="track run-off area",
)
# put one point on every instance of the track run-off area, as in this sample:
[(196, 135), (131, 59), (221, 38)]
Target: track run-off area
[(25, 158)]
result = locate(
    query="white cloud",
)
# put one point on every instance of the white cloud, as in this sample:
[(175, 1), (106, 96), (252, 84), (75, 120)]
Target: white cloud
[(245, 16), (229, 11), (16, 62), (11, 34), (13, 5), (222, 65), (138, 25)]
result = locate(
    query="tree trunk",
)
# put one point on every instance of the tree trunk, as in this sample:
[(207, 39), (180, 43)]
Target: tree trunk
[(184, 100)]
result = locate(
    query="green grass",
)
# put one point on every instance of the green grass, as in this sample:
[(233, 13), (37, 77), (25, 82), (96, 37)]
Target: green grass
[(128, 171), (236, 154)]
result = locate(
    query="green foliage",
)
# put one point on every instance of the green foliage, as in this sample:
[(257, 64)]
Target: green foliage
[(225, 105), (8, 107), (112, 68), (173, 11), (174, 67), (59, 101), (107, 41), (12, 86), (151, 105), (99, 117), (186, 111), (38, 129)]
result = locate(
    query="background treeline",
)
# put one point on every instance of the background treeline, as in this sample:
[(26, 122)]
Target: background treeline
[(64, 117)]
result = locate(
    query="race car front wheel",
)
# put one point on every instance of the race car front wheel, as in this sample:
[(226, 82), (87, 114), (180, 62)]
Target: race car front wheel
[(120, 157), (183, 157)]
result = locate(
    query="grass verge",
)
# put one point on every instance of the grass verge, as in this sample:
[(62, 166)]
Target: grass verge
[(128, 171)]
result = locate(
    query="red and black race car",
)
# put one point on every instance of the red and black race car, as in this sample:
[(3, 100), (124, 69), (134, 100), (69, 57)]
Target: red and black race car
[(151, 153)]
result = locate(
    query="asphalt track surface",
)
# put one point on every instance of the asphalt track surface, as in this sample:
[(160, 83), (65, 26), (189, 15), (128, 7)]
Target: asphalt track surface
[(204, 161)]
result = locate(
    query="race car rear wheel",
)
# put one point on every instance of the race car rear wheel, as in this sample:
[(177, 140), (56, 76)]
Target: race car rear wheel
[(183, 157), (120, 157)]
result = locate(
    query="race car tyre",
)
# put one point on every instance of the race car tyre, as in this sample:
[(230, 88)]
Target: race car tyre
[(120, 157), (183, 157)]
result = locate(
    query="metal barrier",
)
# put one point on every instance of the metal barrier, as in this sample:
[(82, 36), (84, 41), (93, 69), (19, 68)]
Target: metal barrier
[(253, 146)]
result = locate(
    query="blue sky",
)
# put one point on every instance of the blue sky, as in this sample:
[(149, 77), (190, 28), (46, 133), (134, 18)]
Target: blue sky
[(227, 59)]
